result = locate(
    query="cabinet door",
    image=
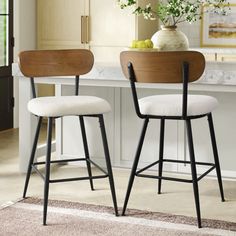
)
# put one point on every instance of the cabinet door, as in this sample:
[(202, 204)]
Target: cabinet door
[(111, 29), (59, 23), (226, 57), (210, 56)]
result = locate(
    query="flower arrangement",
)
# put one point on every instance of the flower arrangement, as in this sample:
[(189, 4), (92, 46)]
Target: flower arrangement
[(173, 12)]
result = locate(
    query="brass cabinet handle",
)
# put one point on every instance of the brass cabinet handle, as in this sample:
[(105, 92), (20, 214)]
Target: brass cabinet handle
[(87, 28), (82, 38), (84, 29)]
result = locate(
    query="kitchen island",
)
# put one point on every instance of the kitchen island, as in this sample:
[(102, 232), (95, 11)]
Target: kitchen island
[(107, 81)]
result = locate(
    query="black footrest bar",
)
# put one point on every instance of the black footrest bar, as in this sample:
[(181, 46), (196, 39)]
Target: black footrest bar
[(60, 161), (175, 161), (71, 179), (171, 178), (188, 162), (78, 178), (72, 160), (165, 178)]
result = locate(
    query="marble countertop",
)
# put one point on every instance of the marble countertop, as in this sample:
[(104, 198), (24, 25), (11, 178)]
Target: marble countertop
[(110, 74), (99, 71), (102, 70), (216, 50)]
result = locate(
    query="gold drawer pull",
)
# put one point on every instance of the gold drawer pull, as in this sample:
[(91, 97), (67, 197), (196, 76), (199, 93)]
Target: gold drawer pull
[(84, 29), (87, 29)]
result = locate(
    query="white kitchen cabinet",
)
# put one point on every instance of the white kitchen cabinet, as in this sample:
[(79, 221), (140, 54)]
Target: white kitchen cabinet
[(71, 140), (123, 130), (58, 27), (112, 29), (98, 25), (59, 23), (131, 126), (224, 122)]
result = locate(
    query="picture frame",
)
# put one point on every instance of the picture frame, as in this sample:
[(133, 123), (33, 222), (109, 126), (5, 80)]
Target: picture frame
[(218, 30)]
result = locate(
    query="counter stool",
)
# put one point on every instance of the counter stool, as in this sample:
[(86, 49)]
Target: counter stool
[(170, 67), (75, 62)]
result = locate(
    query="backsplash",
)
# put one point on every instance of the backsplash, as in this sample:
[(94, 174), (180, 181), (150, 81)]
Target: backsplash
[(192, 31), (218, 77)]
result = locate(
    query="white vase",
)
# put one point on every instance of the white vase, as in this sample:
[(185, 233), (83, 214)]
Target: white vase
[(169, 38)]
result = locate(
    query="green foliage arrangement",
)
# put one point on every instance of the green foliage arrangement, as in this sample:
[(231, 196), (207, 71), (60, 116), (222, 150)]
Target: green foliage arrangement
[(173, 12)]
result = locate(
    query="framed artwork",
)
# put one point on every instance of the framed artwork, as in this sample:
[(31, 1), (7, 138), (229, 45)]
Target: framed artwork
[(218, 30)]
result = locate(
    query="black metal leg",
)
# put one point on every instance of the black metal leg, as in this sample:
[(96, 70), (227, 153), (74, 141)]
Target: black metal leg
[(193, 170), (47, 170), (135, 164), (32, 155), (86, 150), (161, 151), (108, 163), (216, 157)]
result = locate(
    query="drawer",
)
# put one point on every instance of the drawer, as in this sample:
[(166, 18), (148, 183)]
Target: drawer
[(210, 56), (226, 57)]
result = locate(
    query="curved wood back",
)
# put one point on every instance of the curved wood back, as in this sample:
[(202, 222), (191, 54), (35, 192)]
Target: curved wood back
[(43, 63), (162, 67)]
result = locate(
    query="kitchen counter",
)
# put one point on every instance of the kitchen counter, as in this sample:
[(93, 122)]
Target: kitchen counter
[(107, 81)]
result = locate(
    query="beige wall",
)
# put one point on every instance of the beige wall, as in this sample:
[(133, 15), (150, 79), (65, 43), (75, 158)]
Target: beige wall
[(24, 25), (25, 37)]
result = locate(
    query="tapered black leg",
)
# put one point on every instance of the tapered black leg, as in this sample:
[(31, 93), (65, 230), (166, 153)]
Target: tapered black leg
[(86, 150), (216, 157), (32, 155), (135, 164), (161, 151), (108, 163), (193, 170), (47, 170)]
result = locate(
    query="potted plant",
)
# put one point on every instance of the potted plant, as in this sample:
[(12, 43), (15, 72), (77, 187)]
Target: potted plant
[(171, 13)]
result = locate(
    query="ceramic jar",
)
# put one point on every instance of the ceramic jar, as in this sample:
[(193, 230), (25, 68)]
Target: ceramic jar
[(169, 38)]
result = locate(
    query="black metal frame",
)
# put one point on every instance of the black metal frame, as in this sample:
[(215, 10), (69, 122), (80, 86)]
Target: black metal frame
[(192, 162), (33, 165)]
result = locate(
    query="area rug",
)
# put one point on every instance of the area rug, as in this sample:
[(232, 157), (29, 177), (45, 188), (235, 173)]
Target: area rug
[(24, 217)]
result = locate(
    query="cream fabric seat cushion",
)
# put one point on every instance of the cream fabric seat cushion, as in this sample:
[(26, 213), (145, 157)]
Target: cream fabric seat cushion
[(68, 105), (171, 105)]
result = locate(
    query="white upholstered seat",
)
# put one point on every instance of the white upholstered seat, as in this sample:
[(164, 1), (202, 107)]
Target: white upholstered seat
[(171, 105), (68, 105)]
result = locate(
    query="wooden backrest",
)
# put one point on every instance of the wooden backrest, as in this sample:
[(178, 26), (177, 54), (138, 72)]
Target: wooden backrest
[(162, 67), (43, 63)]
